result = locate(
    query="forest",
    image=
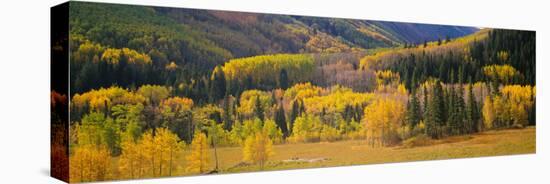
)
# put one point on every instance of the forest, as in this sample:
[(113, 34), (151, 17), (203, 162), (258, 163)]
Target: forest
[(150, 101)]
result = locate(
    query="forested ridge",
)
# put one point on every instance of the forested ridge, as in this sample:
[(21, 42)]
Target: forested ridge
[(184, 45), (151, 94)]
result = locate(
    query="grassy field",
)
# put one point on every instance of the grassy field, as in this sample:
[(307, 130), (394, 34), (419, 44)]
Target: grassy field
[(491, 143)]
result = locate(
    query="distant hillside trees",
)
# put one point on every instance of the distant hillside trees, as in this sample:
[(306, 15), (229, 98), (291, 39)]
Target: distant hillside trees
[(265, 72)]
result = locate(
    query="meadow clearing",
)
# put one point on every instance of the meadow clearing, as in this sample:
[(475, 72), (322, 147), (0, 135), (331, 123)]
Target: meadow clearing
[(356, 152)]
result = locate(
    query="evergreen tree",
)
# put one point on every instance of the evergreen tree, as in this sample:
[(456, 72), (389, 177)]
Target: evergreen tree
[(283, 79), (414, 81), (302, 108), (436, 109), (472, 116), (217, 84), (348, 113), (452, 121), (413, 111), (425, 103), (294, 113), (460, 105), (280, 120), (259, 109), (358, 113), (227, 113), (443, 70)]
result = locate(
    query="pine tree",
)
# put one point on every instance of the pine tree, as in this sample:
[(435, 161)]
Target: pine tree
[(294, 113), (472, 116), (459, 104), (217, 84), (302, 107), (413, 111), (227, 113), (348, 113), (436, 109), (258, 109), (283, 79), (358, 112), (280, 120), (414, 81), (452, 113)]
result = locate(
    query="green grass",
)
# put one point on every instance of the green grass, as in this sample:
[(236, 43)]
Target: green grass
[(354, 152)]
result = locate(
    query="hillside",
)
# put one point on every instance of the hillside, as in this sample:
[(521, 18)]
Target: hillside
[(254, 34), (222, 35), (418, 33), (184, 45)]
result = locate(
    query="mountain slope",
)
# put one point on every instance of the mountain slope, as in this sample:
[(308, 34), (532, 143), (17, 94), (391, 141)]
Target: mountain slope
[(184, 45), (267, 33), (418, 33)]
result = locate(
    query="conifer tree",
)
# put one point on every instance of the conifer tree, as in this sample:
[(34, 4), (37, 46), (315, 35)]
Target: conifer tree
[(258, 109), (435, 118), (294, 113), (283, 79), (413, 111), (227, 113), (217, 84), (280, 120), (469, 117)]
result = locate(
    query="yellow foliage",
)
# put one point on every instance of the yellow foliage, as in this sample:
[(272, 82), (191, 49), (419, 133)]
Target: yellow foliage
[(383, 118), (302, 90), (171, 67), (323, 43), (248, 101), (169, 148), (97, 99), (258, 149), (500, 73), (132, 160), (265, 68), (90, 163), (199, 159), (272, 131), (150, 156), (337, 100), (329, 133), (306, 129), (385, 57), (178, 104), (113, 56), (154, 93)]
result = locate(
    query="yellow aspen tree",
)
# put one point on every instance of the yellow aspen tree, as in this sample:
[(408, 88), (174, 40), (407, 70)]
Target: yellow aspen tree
[(199, 158), (488, 112), (132, 160), (382, 119), (169, 148), (150, 151), (258, 149), (89, 163)]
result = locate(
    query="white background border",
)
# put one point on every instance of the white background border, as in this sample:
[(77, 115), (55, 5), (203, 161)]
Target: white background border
[(24, 95)]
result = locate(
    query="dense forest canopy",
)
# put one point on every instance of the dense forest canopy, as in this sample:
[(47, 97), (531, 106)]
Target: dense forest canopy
[(152, 85), (185, 45)]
